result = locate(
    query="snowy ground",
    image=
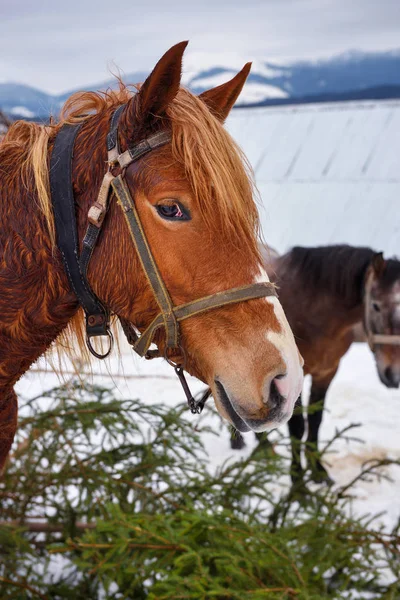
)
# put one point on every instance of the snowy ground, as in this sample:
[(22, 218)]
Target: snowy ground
[(356, 396)]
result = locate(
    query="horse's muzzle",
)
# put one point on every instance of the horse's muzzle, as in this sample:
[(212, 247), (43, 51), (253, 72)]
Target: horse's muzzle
[(275, 410)]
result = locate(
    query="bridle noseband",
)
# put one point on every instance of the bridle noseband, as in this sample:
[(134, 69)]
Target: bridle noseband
[(375, 339), (76, 265)]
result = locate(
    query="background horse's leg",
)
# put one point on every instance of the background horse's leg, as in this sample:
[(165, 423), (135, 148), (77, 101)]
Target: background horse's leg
[(296, 431), (237, 440), (315, 413), (8, 422)]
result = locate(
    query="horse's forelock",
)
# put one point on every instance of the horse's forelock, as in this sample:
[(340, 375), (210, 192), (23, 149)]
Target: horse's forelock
[(219, 173)]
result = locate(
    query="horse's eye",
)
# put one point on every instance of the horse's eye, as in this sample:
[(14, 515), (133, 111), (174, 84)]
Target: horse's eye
[(173, 212), (376, 307)]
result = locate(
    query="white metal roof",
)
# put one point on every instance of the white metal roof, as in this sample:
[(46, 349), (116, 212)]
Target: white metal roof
[(327, 173)]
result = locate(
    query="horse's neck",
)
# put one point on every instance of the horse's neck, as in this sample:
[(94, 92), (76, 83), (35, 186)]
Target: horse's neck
[(35, 301)]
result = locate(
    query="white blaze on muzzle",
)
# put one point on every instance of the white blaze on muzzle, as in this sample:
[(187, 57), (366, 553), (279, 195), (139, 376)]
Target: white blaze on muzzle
[(291, 385)]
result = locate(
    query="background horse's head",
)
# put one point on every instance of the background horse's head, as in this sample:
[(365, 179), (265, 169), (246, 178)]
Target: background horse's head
[(195, 200), (382, 316)]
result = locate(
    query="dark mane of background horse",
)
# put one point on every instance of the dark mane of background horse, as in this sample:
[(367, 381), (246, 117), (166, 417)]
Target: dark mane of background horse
[(390, 274), (339, 269)]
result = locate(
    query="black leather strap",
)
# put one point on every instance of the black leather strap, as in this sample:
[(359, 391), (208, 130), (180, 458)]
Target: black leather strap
[(112, 136), (88, 245), (67, 236)]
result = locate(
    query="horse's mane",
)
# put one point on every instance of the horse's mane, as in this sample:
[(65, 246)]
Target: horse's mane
[(26, 144), (391, 272), (217, 169), (339, 270)]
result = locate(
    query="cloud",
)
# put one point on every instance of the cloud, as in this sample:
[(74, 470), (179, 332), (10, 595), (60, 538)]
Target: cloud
[(58, 46)]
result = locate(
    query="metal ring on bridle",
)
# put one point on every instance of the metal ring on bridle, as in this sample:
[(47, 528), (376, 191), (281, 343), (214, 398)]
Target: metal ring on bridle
[(173, 363), (97, 354)]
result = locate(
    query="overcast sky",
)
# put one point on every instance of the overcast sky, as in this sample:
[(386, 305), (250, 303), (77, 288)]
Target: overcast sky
[(57, 46)]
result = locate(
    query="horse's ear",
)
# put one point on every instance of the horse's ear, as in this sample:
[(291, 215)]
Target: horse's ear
[(221, 99), (160, 87), (378, 264)]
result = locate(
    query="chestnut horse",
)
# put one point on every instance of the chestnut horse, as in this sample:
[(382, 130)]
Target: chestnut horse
[(344, 285), (194, 197)]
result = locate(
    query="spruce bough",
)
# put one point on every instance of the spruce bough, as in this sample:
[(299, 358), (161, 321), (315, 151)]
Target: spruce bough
[(108, 498)]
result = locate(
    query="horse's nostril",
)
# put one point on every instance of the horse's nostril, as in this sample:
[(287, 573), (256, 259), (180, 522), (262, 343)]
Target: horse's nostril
[(275, 399), (274, 391), (281, 376)]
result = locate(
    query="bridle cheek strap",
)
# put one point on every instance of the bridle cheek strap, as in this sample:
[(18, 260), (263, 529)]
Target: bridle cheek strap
[(148, 263)]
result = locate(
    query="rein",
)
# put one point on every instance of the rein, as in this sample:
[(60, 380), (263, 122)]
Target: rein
[(76, 265), (375, 339)]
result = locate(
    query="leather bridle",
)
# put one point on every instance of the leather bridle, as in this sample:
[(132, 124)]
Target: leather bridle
[(375, 339), (76, 264)]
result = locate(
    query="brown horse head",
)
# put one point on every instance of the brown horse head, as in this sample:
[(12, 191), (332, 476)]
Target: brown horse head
[(195, 201), (382, 316)]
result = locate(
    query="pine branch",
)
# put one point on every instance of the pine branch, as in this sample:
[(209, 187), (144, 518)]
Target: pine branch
[(44, 526), (24, 586)]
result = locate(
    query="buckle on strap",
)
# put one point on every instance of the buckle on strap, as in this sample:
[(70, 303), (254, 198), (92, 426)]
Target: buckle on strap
[(96, 214), (141, 149), (98, 210)]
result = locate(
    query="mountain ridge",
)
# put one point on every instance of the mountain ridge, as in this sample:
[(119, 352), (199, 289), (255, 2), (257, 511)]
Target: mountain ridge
[(350, 74)]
